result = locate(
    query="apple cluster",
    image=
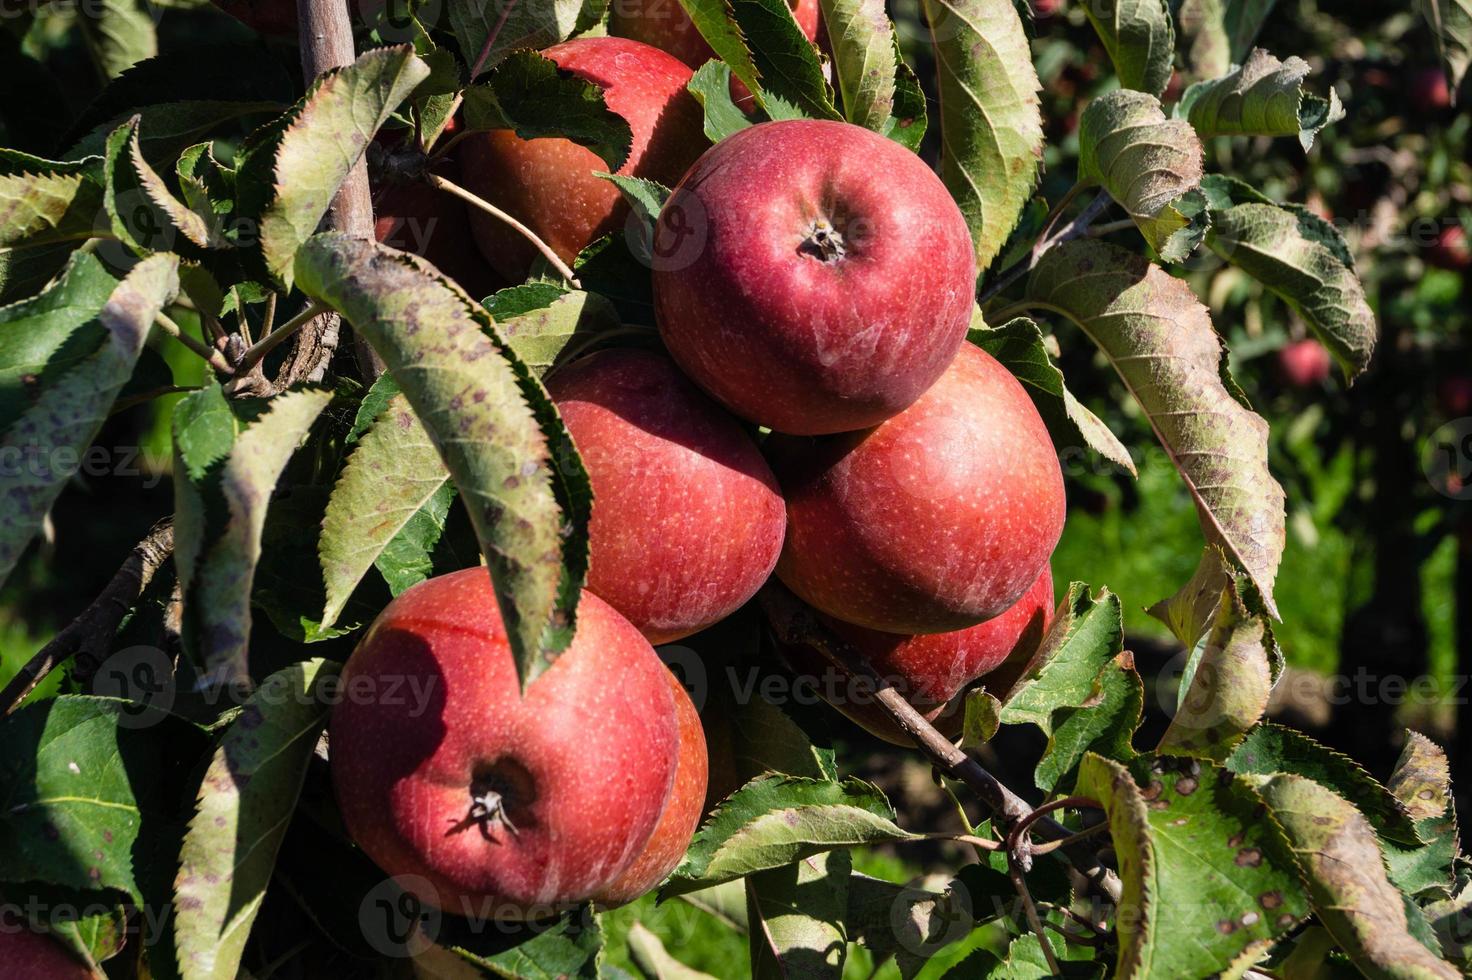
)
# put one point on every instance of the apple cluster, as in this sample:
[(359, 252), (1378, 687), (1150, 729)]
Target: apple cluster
[(815, 413)]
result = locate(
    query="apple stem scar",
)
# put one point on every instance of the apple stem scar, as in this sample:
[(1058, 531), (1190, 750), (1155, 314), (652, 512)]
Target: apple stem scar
[(823, 242)]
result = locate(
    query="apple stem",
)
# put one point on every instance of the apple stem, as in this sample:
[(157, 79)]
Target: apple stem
[(487, 809), (213, 357), (552, 257)]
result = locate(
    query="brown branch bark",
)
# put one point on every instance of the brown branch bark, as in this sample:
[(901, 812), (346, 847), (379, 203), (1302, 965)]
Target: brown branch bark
[(89, 635), (795, 623)]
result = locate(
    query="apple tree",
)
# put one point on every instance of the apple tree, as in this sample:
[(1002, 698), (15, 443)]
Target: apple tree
[(503, 345)]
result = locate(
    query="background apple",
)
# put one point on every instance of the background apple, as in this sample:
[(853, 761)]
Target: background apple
[(1305, 363), (933, 521), (1429, 90), (1451, 249), (28, 955), (582, 763), (414, 217), (275, 18), (548, 184), (813, 276), (687, 518), (681, 815)]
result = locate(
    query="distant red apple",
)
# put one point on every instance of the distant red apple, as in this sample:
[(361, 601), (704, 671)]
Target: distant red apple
[(1305, 363), (29, 955), (1451, 249), (813, 276), (508, 805), (681, 815), (1429, 90), (934, 521), (1454, 396), (687, 518), (930, 670), (275, 18), (548, 183)]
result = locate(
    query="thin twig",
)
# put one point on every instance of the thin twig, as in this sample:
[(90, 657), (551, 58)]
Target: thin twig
[(215, 359), (1110, 227), (1017, 854), (257, 352), (1054, 845), (1075, 229), (978, 842), (1019, 883), (123, 404), (525, 232), (87, 637)]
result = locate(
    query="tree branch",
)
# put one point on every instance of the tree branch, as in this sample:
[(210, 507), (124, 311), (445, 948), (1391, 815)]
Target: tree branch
[(89, 635)]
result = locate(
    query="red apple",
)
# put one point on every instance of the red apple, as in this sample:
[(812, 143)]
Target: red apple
[(1305, 363), (1429, 90), (934, 521), (1454, 396), (548, 184), (681, 814), (931, 670), (276, 18), (29, 955), (1451, 250), (414, 217), (813, 276), (491, 802), (687, 518)]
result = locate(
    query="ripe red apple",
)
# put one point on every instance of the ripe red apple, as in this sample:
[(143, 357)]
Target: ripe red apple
[(681, 815), (29, 955), (1454, 396), (548, 184), (687, 518), (934, 521), (1429, 90), (930, 670), (1451, 249), (1305, 363), (505, 804), (813, 276)]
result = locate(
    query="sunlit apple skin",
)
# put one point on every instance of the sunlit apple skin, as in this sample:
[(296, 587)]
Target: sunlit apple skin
[(681, 815), (28, 955), (934, 521), (584, 761), (687, 518), (756, 303), (930, 670), (1305, 363), (548, 183)]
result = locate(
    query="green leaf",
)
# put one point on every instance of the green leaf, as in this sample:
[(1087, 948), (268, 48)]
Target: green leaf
[(1141, 40), (1024, 961), (245, 802), (570, 324), (393, 472), (409, 558), (165, 130), (1086, 635), (497, 432), (120, 33), (767, 50), (43, 201), (528, 93), (1019, 345), (197, 221), (1160, 339), (328, 132), (568, 948), (777, 819), (91, 923), (1264, 97), (84, 787), (1422, 783), (1297, 256), (1105, 724), (1197, 860), (63, 413), (654, 961), (143, 211), (711, 86), (1270, 749), (864, 59), (1149, 164), (797, 915), (907, 125), (1217, 34), (222, 523), (506, 27), (1338, 856), (1451, 25), (991, 128)]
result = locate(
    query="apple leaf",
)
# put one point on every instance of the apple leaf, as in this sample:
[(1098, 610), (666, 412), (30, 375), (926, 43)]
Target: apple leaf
[(249, 792), (1263, 97), (496, 430), (991, 127), (797, 917), (411, 556), (528, 93), (143, 212), (764, 46), (1196, 859), (1337, 854), (711, 86), (1141, 40), (197, 221), (1160, 339), (84, 794), (1149, 164), (44, 201), (864, 59), (1302, 259), (913, 922), (907, 124), (1105, 723), (1269, 749), (777, 819), (1422, 778), (120, 33), (64, 410), (91, 923), (393, 472), (1018, 344), (220, 511), (1216, 34), (1422, 782), (568, 323), (654, 961), (1451, 25), (324, 137), (488, 30), (568, 948), (168, 128)]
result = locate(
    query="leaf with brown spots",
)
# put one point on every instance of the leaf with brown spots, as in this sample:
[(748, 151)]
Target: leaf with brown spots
[(1422, 781), (492, 423), (1422, 778), (1352, 895), (245, 802), (1209, 883), (43, 201)]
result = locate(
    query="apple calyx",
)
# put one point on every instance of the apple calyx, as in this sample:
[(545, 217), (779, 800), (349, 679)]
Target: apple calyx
[(823, 242), (487, 811)]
